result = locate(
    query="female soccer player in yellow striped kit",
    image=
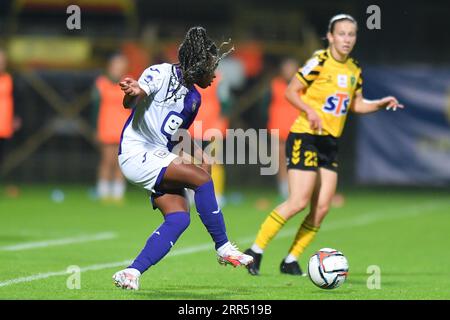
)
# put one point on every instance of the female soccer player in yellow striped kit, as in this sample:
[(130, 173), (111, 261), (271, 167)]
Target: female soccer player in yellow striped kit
[(324, 90)]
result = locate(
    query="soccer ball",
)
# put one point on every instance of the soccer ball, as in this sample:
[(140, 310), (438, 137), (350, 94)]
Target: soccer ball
[(328, 268)]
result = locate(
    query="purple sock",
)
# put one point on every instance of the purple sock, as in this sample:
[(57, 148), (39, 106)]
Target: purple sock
[(161, 240), (210, 213)]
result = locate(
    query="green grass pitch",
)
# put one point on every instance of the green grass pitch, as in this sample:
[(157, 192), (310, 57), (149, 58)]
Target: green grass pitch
[(403, 232)]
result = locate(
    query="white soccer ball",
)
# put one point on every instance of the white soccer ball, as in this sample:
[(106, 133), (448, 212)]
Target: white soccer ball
[(328, 268)]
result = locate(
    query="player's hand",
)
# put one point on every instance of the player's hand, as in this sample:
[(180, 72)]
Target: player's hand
[(390, 103), (130, 87), (315, 122)]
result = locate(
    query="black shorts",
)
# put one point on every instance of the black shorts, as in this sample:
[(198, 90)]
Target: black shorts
[(305, 151)]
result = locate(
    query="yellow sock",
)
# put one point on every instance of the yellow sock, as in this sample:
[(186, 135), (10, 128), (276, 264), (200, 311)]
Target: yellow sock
[(270, 227), (218, 178), (304, 237)]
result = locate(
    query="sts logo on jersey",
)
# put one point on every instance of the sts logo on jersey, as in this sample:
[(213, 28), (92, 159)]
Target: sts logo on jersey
[(337, 104)]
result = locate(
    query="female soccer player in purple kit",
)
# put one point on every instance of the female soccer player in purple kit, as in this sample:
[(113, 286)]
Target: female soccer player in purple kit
[(164, 100)]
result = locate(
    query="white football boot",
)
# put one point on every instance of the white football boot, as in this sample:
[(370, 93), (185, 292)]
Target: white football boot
[(230, 254), (127, 279)]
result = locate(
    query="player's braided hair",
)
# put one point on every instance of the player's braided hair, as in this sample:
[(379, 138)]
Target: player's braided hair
[(198, 55)]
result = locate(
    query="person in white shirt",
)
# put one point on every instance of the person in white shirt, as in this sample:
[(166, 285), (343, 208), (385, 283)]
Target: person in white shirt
[(165, 100)]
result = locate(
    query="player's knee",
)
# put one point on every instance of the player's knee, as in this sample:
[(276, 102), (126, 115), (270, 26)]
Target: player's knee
[(292, 209), (322, 209), (297, 205), (202, 178)]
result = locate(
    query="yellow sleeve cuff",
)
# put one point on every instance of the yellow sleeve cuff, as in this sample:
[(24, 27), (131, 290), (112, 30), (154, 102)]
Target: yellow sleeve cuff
[(302, 80)]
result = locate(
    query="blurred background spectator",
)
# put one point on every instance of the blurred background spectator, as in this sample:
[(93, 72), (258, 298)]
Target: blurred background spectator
[(281, 116), (109, 117), (9, 122)]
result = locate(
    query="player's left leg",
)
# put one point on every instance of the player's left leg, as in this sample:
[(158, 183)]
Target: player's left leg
[(187, 175), (175, 209), (320, 204)]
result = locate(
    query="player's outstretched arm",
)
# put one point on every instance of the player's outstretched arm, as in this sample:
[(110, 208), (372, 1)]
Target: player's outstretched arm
[(361, 105), (133, 92)]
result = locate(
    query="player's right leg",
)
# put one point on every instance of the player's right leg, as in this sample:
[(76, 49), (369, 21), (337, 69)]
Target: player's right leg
[(181, 174), (301, 187), (320, 204), (301, 153), (327, 149), (175, 209)]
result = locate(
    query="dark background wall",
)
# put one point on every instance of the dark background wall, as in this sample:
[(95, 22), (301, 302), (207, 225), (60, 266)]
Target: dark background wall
[(412, 33)]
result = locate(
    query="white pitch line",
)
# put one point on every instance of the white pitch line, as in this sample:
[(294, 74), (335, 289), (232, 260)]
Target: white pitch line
[(362, 220), (62, 273), (59, 242)]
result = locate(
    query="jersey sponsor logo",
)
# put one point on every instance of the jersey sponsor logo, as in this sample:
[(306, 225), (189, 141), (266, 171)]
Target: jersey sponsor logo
[(337, 104), (342, 80), (172, 123), (309, 66), (194, 106)]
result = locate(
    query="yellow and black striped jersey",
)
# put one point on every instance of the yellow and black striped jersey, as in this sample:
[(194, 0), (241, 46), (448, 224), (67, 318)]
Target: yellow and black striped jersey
[(330, 89)]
